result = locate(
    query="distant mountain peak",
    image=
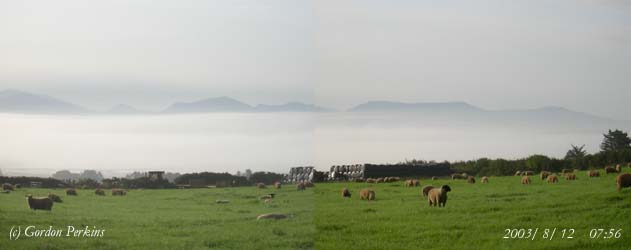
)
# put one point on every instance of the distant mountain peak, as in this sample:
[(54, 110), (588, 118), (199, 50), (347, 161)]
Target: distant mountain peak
[(214, 104), (12, 100), (291, 107), (390, 106)]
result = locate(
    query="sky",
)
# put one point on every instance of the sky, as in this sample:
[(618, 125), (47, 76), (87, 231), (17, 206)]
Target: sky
[(492, 53)]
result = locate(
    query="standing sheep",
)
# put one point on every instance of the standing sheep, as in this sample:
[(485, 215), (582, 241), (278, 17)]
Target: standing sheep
[(346, 193), (438, 196), (623, 181), (71, 191), (544, 175), (41, 203), (471, 180), (7, 186), (593, 173), (99, 191), (379, 180), (525, 180), (485, 179), (260, 185), (371, 180), (570, 177), (610, 170), (426, 190), (553, 179), (367, 194), (117, 191), (277, 185)]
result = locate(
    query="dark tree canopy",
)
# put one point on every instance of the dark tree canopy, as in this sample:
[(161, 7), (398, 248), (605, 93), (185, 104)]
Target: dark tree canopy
[(576, 152), (615, 140)]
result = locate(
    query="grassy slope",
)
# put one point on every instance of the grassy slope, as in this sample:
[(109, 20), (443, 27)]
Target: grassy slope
[(166, 219), (475, 217)]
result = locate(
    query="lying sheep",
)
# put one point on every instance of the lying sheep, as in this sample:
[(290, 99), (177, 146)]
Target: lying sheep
[(593, 173), (100, 192), (544, 175), (438, 196), (525, 180), (277, 185), (260, 185), (300, 186), (623, 181), (271, 216), (346, 193), (54, 197), (426, 189), (71, 191), (570, 177), (7, 186), (485, 179), (610, 170), (553, 179), (367, 194), (471, 179), (40, 203), (117, 191)]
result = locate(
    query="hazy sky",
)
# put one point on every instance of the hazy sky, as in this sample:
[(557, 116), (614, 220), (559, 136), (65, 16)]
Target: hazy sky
[(495, 54)]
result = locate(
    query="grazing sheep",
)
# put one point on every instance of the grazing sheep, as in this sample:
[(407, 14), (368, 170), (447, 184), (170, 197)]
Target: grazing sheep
[(623, 181), (41, 203), (462, 176), (300, 186), (346, 193), (528, 173), (438, 196), (567, 171), (434, 178), (570, 177), (618, 168), (471, 179), (277, 185), (71, 191), (7, 186), (518, 173), (485, 179), (379, 180), (309, 184), (260, 185), (525, 180), (426, 190), (271, 216), (593, 173), (395, 179), (54, 197), (367, 194), (544, 175), (553, 179), (360, 180), (371, 180), (610, 170), (100, 192), (408, 183), (416, 183), (386, 179), (117, 191)]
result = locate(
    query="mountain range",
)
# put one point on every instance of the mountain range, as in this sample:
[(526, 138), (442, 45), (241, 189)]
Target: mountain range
[(15, 101)]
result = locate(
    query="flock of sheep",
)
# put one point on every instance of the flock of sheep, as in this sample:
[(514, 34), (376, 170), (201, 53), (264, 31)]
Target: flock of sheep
[(46, 203), (623, 180)]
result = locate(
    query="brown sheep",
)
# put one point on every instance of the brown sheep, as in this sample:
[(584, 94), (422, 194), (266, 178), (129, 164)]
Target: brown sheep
[(426, 190), (593, 173), (71, 191), (623, 181), (99, 191), (54, 198), (570, 177), (117, 191), (485, 179), (544, 175), (567, 171), (277, 185), (346, 193), (7, 186), (610, 170), (471, 180), (271, 216), (309, 184), (408, 183), (416, 183), (367, 194), (438, 196), (525, 180), (41, 203), (300, 186), (553, 179), (260, 185)]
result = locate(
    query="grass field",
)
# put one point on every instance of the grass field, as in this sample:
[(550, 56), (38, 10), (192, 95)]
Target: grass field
[(476, 217)]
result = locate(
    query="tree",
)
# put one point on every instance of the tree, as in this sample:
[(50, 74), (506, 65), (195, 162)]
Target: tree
[(576, 156), (615, 140), (248, 173)]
